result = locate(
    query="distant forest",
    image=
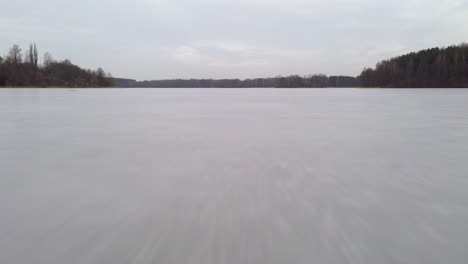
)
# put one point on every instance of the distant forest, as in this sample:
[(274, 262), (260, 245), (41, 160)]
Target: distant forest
[(293, 81), (436, 67), (22, 69)]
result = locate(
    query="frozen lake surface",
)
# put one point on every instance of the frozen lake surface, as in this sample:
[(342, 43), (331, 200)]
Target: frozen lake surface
[(235, 176)]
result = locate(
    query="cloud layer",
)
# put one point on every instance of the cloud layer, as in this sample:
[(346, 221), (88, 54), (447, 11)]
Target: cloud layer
[(155, 39)]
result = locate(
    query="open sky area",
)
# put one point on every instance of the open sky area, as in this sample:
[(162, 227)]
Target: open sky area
[(157, 39)]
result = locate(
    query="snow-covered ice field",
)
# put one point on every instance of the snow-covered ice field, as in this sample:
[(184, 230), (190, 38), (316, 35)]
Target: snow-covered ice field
[(233, 176)]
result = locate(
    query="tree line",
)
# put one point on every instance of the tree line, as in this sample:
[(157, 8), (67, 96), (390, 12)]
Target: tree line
[(23, 69), (293, 81), (436, 67)]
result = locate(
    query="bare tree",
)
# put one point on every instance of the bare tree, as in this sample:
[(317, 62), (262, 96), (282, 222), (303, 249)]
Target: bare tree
[(15, 59), (101, 73), (48, 59), (35, 56), (14, 55), (30, 55)]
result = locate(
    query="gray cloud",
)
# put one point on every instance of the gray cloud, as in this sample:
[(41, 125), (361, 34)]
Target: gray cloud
[(152, 39)]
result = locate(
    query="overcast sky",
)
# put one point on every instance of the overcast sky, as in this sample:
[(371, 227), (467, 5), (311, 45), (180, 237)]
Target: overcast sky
[(156, 39)]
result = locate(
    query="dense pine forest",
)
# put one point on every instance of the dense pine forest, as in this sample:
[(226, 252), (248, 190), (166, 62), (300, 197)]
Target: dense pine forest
[(22, 69), (293, 81), (436, 67)]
